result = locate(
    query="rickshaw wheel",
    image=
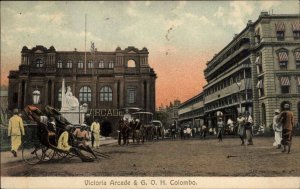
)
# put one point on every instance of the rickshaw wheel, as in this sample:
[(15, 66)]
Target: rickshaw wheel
[(48, 154), (32, 152)]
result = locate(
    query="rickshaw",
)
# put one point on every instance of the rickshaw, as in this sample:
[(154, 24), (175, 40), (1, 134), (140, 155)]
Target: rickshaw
[(42, 146)]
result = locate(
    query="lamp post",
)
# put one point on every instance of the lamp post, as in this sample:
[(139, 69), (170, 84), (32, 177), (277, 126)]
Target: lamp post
[(239, 86), (36, 96)]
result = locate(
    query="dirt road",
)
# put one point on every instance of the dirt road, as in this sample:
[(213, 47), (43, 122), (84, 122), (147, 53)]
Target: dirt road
[(176, 158)]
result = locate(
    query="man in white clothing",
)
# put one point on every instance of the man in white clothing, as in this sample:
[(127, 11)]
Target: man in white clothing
[(277, 127)]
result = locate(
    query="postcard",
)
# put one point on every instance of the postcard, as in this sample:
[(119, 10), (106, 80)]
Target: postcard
[(150, 94)]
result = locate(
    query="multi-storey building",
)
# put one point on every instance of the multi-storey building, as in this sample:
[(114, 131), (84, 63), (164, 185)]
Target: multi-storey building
[(191, 112), (107, 82), (258, 71)]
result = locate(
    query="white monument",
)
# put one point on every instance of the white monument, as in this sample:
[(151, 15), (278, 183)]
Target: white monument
[(70, 107)]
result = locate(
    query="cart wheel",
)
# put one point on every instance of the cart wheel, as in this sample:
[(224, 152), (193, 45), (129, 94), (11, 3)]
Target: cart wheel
[(32, 152), (48, 154)]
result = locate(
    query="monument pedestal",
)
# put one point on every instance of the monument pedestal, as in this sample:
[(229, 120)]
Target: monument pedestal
[(73, 116)]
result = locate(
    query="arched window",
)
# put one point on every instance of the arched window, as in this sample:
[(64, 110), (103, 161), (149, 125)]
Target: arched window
[(59, 95), (39, 63), (85, 94), (106, 94), (59, 64), (131, 64)]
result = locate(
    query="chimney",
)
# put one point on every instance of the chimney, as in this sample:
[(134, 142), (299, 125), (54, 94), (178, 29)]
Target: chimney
[(264, 13), (75, 49)]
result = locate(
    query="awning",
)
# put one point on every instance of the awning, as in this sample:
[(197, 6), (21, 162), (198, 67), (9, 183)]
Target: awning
[(282, 56), (297, 55), (298, 79), (280, 26), (285, 81), (257, 60), (260, 84), (296, 26)]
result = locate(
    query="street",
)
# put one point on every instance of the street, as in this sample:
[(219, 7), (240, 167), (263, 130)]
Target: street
[(192, 157)]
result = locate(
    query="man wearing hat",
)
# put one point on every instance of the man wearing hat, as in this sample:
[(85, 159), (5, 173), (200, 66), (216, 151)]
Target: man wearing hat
[(15, 131), (286, 118), (277, 127)]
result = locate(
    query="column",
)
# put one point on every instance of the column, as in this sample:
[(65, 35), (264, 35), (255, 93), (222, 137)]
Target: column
[(20, 95), (46, 92), (115, 94), (122, 95), (148, 96), (52, 93), (142, 99), (25, 93), (94, 92)]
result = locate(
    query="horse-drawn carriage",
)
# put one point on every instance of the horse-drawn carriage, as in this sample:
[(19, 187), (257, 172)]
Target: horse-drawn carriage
[(136, 124), (54, 143)]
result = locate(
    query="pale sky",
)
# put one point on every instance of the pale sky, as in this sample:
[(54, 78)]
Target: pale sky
[(180, 36)]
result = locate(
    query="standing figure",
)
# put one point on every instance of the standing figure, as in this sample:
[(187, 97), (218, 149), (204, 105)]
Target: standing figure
[(230, 125), (241, 127), (286, 118), (277, 127), (204, 130), (15, 131), (248, 127), (220, 125), (95, 129)]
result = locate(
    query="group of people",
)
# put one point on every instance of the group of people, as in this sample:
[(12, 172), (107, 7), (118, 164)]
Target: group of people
[(16, 131)]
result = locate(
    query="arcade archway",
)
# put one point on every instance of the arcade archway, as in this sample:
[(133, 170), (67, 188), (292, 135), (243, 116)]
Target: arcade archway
[(106, 128)]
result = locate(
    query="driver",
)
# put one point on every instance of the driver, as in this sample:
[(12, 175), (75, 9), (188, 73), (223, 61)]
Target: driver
[(64, 145)]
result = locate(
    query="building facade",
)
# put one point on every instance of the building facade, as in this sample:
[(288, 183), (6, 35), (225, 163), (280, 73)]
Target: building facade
[(191, 112), (108, 82), (258, 72)]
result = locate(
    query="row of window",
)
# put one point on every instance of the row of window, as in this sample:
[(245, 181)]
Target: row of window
[(283, 60), (105, 94), (80, 64), (231, 99), (234, 78), (280, 31), (90, 64), (285, 86)]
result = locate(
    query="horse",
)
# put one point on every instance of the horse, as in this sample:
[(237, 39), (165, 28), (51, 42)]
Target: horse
[(124, 130)]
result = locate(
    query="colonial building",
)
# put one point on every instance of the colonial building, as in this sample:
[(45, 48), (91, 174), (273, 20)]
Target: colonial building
[(258, 71), (106, 81), (191, 112)]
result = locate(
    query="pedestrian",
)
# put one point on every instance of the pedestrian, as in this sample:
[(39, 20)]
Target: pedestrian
[(248, 127), (241, 127), (95, 129), (204, 130), (188, 132), (220, 125), (230, 125), (15, 131), (286, 118), (277, 127)]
